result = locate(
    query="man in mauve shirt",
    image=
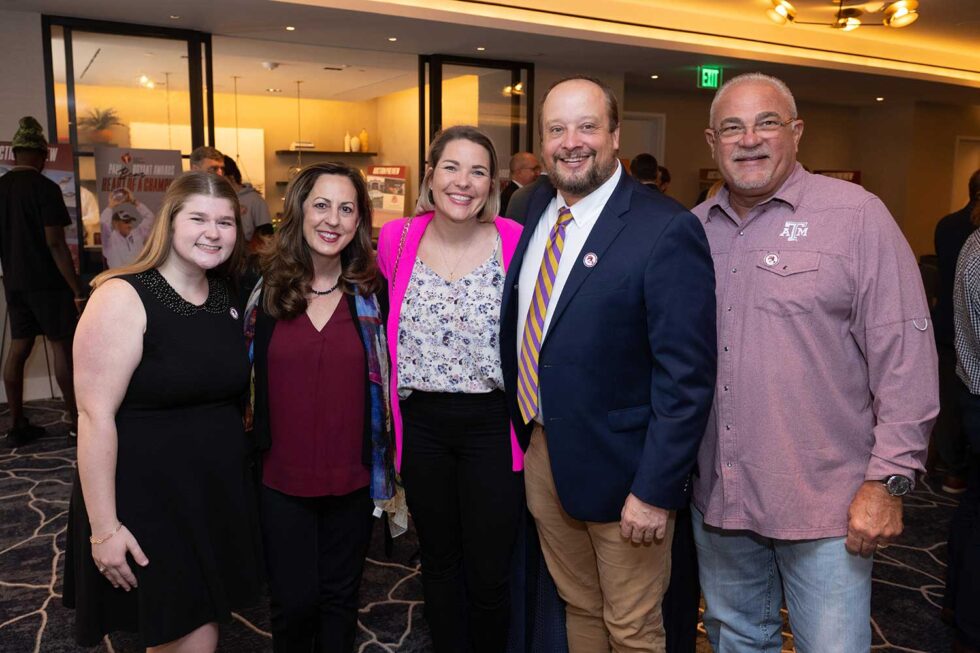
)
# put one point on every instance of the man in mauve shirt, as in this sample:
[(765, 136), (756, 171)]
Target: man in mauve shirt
[(827, 386)]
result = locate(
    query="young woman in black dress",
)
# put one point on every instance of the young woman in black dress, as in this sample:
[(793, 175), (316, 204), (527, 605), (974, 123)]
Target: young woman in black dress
[(162, 532)]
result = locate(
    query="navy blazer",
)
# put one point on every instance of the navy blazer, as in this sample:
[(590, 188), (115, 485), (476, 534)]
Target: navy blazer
[(627, 368)]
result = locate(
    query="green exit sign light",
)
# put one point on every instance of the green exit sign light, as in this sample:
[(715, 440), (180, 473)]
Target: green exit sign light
[(709, 76)]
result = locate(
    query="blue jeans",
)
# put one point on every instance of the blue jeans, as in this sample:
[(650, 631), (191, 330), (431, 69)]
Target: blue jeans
[(745, 577)]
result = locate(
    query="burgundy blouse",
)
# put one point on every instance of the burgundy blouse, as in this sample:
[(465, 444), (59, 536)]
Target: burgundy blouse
[(316, 407)]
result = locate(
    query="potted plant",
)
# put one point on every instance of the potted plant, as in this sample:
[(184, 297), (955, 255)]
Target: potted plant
[(99, 122)]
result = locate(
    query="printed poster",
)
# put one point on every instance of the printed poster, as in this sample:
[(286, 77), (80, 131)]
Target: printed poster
[(387, 187), (131, 184)]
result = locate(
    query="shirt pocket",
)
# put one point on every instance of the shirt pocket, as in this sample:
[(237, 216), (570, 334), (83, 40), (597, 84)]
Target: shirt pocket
[(786, 282)]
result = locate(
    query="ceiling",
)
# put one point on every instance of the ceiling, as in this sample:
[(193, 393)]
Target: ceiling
[(249, 32)]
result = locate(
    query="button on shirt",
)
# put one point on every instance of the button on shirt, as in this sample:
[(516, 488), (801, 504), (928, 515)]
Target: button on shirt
[(585, 212), (827, 370)]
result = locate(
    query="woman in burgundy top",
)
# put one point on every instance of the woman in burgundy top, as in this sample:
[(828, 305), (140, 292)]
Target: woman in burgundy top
[(320, 407)]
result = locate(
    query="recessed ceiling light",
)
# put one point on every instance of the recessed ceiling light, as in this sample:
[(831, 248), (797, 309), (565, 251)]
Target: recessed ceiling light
[(274, 90), (174, 17), (290, 28), (879, 99), (392, 38), (480, 49), (654, 76)]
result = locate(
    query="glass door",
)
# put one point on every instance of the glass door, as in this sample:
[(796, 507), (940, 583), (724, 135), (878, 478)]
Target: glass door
[(124, 86), (496, 96)]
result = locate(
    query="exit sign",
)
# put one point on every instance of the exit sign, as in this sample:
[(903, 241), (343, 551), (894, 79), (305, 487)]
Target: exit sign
[(709, 76)]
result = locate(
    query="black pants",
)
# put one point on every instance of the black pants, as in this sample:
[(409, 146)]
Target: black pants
[(683, 596), (963, 550), (315, 550), (465, 501)]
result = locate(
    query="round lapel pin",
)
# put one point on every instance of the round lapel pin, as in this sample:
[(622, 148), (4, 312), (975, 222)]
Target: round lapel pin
[(771, 260), (590, 259)]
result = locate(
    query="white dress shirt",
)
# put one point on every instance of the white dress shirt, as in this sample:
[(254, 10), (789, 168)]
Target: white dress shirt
[(585, 212)]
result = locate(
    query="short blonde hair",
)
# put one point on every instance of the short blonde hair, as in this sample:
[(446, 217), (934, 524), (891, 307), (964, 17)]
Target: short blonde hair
[(467, 133)]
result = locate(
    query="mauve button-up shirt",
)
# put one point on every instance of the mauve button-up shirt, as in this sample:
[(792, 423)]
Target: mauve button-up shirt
[(827, 370)]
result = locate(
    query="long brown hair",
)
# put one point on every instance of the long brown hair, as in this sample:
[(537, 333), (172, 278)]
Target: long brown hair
[(287, 267), (460, 133), (158, 244)]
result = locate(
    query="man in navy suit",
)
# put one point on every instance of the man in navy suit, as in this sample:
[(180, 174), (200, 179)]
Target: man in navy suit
[(609, 351)]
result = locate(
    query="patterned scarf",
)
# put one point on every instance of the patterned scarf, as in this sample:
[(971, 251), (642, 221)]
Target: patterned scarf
[(376, 354)]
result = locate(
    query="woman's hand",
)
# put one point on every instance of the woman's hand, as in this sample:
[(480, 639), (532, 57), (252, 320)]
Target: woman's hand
[(110, 558)]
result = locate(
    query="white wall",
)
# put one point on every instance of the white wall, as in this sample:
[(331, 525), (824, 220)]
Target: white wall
[(21, 71)]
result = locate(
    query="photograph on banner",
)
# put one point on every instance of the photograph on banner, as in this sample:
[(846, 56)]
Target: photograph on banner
[(387, 187), (131, 184), (60, 169)]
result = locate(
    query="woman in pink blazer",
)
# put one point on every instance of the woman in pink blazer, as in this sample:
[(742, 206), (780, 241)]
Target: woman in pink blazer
[(454, 446)]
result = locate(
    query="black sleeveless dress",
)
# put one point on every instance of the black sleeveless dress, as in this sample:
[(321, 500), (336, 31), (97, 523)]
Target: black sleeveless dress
[(183, 487)]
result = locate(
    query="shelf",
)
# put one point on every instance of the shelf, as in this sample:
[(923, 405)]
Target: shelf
[(322, 152)]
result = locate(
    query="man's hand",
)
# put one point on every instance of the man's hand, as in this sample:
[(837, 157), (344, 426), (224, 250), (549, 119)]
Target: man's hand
[(641, 522), (874, 517)]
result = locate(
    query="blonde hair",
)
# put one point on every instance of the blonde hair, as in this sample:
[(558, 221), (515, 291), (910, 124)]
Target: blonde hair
[(158, 245), (466, 133)]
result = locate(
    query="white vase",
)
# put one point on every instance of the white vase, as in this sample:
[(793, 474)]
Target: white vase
[(355, 144), (347, 142)]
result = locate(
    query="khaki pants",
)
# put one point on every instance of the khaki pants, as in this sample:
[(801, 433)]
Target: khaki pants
[(612, 588)]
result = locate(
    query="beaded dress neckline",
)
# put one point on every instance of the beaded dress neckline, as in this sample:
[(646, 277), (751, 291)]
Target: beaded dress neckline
[(217, 302)]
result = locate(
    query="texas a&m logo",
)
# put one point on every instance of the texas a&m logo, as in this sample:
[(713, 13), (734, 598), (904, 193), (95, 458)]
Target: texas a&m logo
[(793, 231)]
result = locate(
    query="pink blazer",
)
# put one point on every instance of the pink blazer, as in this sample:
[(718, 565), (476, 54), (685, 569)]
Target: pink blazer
[(388, 241)]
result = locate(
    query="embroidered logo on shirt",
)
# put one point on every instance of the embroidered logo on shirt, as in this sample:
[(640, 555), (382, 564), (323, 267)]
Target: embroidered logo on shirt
[(793, 231)]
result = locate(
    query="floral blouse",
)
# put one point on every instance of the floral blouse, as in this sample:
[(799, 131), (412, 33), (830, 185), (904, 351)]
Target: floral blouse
[(449, 331)]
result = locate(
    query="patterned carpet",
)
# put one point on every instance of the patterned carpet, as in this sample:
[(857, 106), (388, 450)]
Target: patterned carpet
[(35, 483)]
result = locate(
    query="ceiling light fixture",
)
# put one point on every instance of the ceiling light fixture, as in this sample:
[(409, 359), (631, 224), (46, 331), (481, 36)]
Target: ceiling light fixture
[(879, 99), (899, 13), (174, 17), (654, 76), (392, 38), (290, 28), (516, 89), (480, 49), (273, 90)]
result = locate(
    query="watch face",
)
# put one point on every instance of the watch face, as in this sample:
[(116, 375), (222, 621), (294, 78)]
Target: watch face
[(898, 485)]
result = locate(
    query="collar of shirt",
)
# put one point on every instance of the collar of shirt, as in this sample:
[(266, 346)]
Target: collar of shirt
[(789, 193), (586, 211)]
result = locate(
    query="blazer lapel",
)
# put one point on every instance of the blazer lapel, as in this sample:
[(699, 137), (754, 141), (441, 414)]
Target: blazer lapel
[(604, 231), (535, 210)]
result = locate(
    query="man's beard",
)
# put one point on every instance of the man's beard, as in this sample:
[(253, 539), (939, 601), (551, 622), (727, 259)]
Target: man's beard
[(594, 176)]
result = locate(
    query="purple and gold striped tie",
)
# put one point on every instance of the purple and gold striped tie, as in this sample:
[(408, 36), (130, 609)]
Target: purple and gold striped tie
[(527, 364)]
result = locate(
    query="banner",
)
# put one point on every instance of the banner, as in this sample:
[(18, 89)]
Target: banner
[(59, 168), (131, 184), (387, 186)]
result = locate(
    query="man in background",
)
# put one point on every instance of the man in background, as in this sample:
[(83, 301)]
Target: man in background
[(951, 232), (255, 212), (644, 169), (208, 159), (961, 603), (524, 169), (43, 291), (663, 179)]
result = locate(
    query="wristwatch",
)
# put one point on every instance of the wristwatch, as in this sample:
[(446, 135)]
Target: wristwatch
[(897, 485)]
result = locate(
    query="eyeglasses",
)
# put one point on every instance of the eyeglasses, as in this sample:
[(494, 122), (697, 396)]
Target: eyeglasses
[(767, 128)]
